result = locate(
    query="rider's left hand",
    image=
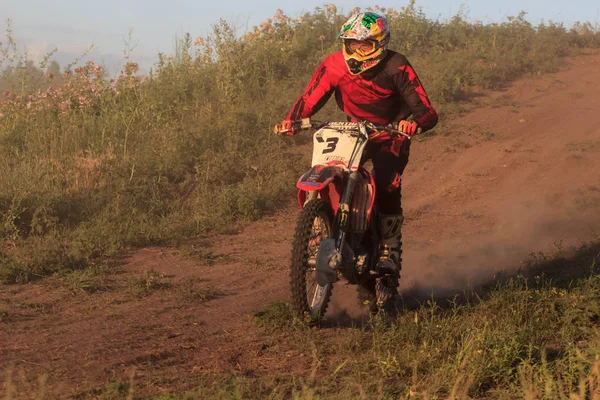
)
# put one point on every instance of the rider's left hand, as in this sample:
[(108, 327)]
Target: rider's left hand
[(409, 127)]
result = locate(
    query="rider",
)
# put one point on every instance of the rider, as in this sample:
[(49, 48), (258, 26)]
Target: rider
[(379, 85)]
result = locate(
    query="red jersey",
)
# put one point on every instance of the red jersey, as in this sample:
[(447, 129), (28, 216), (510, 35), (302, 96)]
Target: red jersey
[(388, 92)]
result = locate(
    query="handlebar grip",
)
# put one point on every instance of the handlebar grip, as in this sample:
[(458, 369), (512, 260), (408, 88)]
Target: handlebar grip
[(305, 123)]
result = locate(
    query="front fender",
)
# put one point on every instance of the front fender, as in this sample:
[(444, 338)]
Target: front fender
[(319, 177), (326, 179)]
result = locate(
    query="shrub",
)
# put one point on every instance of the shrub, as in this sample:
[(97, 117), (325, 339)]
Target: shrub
[(90, 165)]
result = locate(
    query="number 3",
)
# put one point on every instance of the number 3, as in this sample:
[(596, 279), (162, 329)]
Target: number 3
[(331, 144)]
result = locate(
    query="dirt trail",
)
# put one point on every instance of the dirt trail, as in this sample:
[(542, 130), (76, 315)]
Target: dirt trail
[(513, 177), (507, 180)]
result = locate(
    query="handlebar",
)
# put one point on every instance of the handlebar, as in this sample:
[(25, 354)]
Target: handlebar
[(307, 123)]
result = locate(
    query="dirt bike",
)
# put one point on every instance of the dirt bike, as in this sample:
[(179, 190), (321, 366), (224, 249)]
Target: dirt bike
[(336, 233)]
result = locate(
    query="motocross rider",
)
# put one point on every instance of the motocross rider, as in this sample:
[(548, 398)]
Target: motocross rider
[(379, 85)]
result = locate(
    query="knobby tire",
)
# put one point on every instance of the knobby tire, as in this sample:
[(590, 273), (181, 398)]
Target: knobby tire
[(316, 208)]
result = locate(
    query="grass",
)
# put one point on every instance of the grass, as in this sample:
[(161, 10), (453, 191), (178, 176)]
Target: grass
[(113, 391), (199, 253), (533, 335), (148, 283), (91, 166), (591, 146), (529, 335), (276, 316), (192, 290), (454, 144), (89, 280), (487, 135)]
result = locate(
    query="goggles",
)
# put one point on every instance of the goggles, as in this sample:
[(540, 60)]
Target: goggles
[(361, 47)]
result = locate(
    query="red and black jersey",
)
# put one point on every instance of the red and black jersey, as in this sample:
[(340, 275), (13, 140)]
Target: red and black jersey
[(388, 92)]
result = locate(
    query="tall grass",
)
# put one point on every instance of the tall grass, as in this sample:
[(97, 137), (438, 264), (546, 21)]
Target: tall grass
[(91, 165)]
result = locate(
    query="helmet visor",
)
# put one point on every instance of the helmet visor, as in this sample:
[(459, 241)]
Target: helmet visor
[(360, 47)]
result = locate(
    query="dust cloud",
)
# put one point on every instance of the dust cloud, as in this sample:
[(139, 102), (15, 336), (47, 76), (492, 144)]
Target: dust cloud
[(523, 230), (463, 264)]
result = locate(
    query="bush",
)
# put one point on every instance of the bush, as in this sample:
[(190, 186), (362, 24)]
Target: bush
[(90, 165)]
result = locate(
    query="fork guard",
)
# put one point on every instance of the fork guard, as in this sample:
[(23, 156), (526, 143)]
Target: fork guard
[(330, 260)]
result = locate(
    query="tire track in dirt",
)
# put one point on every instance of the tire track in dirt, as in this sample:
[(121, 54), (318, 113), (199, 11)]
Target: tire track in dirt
[(506, 180)]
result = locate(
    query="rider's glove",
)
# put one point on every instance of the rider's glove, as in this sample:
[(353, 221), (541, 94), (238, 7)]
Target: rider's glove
[(286, 127), (409, 127)]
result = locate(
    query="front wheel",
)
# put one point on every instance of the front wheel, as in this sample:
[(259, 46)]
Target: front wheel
[(315, 224)]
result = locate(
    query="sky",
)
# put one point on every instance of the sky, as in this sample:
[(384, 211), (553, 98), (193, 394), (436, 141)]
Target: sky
[(73, 26)]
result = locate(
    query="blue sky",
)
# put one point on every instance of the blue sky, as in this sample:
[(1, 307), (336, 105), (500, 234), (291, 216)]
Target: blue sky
[(74, 25)]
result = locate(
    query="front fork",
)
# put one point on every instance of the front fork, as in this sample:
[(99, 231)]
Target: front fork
[(343, 213), (336, 251), (313, 194)]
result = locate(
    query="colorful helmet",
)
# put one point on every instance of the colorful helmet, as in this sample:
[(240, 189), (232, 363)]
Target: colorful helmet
[(368, 27)]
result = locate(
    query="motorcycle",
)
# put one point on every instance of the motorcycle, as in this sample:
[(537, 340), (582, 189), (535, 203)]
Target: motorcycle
[(336, 234)]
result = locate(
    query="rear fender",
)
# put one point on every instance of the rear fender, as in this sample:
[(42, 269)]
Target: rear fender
[(326, 180)]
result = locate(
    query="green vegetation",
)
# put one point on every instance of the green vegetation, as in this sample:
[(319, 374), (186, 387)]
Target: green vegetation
[(275, 317), (528, 336), (90, 280), (531, 336), (91, 165), (585, 146), (114, 391), (192, 290), (148, 283)]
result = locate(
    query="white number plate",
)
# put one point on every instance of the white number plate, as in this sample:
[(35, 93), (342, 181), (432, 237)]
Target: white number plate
[(331, 145)]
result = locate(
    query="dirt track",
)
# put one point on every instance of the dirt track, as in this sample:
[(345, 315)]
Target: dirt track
[(519, 175)]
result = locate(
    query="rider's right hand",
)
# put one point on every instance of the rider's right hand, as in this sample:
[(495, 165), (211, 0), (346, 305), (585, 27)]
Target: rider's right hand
[(408, 127), (286, 127)]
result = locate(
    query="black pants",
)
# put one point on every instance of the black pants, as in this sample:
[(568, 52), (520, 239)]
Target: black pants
[(389, 159)]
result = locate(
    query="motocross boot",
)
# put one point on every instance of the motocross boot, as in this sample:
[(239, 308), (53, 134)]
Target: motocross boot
[(390, 257), (390, 245)]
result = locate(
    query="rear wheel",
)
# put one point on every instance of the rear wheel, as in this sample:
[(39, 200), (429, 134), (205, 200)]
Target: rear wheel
[(315, 224)]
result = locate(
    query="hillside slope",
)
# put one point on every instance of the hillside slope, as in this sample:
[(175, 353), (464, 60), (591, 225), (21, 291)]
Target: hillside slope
[(517, 175), (514, 177)]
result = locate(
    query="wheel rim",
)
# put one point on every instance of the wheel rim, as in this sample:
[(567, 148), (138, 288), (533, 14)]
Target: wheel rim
[(315, 294)]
